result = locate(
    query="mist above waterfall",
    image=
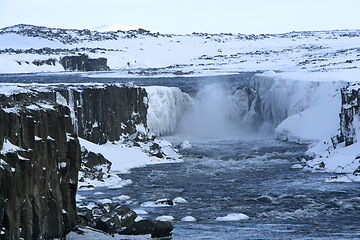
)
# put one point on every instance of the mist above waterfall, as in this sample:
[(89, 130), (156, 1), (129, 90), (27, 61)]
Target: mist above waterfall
[(215, 113)]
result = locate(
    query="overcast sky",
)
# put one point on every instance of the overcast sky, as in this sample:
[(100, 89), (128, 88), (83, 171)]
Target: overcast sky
[(186, 16)]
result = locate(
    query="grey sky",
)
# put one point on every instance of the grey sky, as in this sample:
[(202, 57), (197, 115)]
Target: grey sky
[(186, 16)]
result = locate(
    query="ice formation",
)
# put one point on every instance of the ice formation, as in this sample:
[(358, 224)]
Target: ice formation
[(166, 106), (301, 110)]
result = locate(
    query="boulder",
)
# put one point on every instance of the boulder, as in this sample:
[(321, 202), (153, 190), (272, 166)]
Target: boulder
[(93, 165), (109, 217), (164, 201), (109, 222), (155, 228)]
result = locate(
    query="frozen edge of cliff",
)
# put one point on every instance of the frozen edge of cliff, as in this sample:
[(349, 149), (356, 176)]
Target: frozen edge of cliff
[(302, 109), (310, 105), (165, 107)]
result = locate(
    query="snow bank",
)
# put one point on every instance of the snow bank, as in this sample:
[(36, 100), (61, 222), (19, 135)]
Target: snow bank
[(123, 157), (166, 105), (300, 108), (340, 160)]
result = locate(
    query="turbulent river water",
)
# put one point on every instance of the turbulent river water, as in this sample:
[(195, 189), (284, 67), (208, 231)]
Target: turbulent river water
[(232, 173)]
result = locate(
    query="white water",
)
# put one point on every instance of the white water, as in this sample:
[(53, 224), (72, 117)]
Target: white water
[(214, 114)]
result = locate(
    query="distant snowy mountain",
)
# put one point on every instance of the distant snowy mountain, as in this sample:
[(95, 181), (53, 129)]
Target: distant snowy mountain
[(28, 48)]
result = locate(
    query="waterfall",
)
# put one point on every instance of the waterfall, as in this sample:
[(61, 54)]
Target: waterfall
[(166, 105)]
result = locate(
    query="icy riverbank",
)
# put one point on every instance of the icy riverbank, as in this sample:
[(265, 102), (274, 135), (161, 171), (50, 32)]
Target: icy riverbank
[(305, 108)]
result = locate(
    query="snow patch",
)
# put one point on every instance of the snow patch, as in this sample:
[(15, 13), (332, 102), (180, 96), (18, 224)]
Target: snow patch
[(180, 200), (124, 158), (8, 147), (233, 217), (140, 211), (297, 166), (186, 144), (165, 218), (188, 219)]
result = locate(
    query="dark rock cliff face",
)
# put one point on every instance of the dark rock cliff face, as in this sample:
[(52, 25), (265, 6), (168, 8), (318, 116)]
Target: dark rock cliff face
[(107, 112), (40, 159), (99, 113), (84, 63), (349, 116), (40, 153)]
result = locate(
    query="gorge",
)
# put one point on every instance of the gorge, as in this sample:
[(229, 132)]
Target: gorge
[(44, 122)]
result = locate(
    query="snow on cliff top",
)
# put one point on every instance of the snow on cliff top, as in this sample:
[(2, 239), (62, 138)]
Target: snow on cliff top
[(295, 51)]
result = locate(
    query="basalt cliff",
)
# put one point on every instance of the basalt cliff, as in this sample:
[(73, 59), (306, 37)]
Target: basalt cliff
[(40, 151)]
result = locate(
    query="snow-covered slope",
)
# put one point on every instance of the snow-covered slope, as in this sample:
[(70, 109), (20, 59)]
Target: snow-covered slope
[(137, 50)]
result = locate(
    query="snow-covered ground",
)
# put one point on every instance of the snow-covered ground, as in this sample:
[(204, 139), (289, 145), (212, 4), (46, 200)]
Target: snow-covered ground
[(139, 52), (124, 157)]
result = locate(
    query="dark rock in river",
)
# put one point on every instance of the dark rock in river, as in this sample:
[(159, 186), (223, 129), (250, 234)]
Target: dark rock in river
[(40, 159), (110, 217), (114, 221), (83, 63), (164, 201), (155, 228), (115, 218)]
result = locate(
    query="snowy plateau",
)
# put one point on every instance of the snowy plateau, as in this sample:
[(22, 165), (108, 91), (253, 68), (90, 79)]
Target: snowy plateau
[(304, 90)]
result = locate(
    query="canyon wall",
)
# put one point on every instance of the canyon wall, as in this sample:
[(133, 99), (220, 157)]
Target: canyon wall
[(40, 159), (40, 151)]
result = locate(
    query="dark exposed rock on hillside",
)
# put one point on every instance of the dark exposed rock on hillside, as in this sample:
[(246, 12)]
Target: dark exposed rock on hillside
[(40, 159), (83, 63), (72, 36)]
